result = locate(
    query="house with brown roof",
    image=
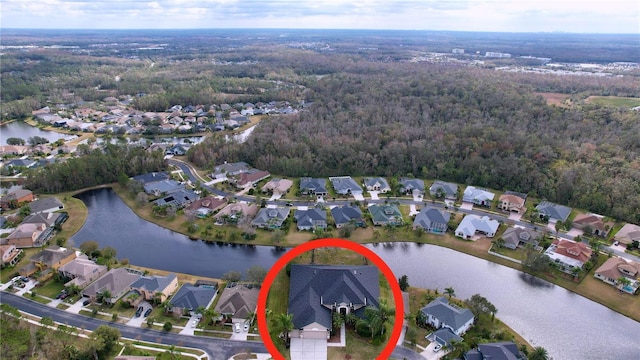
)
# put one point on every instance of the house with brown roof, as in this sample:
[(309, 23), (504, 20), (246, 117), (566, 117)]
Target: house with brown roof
[(516, 236), (27, 235), (512, 201), (615, 268), (569, 254), (628, 234), (81, 271), (277, 186), (13, 199), (594, 223), (234, 213), (9, 254), (204, 206), (116, 282), (237, 301), (249, 179), (48, 260)]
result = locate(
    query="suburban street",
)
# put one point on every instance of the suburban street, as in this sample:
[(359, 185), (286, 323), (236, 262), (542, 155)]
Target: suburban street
[(216, 349)]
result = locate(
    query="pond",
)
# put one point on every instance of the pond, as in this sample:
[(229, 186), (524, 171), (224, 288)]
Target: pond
[(24, 131)]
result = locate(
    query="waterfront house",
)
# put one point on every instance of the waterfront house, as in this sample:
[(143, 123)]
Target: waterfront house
[(569, 254), (432, 220), (237, 301), (270, 218), (517, 236), (505, 350), (311, 219), (191, 297), (204, 206), (383, 215), (441, 314), (49, 204), (471, 225), (178, 199), (233, 213), (616, 268), (151, 177), (347, 214), (162, 187), (318, 291)]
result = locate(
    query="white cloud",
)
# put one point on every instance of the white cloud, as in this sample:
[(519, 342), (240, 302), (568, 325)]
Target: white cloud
[(613, 16)]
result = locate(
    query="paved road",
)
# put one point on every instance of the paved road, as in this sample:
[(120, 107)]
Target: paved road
[(218, 349)]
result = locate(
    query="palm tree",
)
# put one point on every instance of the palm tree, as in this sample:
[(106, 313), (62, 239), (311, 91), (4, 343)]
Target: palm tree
[(450, 292), (157, 297), (211, 314), (283, 323), (104, 295), (539, 353), (622, 282), (250, 317), (379, 316)]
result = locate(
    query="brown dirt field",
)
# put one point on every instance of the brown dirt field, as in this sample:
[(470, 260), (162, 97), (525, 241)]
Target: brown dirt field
[(554, 98)]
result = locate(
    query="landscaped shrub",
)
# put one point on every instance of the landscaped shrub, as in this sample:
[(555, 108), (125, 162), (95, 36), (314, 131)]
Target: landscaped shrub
[(167, 326), (362, 328)]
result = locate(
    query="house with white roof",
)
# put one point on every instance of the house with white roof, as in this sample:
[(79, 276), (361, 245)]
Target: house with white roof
[(474, 224)]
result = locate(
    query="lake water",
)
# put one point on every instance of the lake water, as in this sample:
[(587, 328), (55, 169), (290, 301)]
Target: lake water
[(567, 325), (24, 131)]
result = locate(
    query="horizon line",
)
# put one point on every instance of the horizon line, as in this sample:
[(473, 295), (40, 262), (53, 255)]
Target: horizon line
[(554, 32)]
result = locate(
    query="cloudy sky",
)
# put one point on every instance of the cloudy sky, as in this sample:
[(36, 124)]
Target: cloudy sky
[(585, 16)]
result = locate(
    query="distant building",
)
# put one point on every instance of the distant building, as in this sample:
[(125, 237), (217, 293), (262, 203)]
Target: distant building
[(491, 54), (458, 51)]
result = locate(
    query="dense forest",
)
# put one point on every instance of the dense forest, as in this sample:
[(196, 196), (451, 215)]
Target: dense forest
[(472, 126), (100, 166)]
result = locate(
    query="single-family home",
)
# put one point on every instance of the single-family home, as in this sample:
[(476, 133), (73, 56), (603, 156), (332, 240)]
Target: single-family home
[(162, 187), (444, 190), (48, 260), (504, 350), (47, 218), (445, 337), (386, 214), (628, 234), (115, 283), (233, 213), (249, 178), (227, 170), (14, 199), (190, 297), (311, 219), (615, 268), (440, 314), (270, 218), (347, 214), (178, 199), (204, 206), (151, 177), (474, 224), (81, 271), (27, 235), (513, 202), (154, 287), (432, 220), (179, 149), (592, 223), (414, 187), (13, 149), (517, 236), (569, 254), (376, 184), (345, 185), (478, 196), (553, 211), (21, 163), (318, 291), (313, 186), (277, 186), (10, 255), (49, 204), (237, 301)]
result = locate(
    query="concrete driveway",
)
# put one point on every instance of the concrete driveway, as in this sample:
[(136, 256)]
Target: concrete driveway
[(77, 306), (374, 195), (358, 196), (138, 321), (242, 335), (466, 206), (308, 349), (191, 326)]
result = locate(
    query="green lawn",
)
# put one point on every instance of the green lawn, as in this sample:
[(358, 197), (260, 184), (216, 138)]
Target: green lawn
[(51, 289), (614, 101)]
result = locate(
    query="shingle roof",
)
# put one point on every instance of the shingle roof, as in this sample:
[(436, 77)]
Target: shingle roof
[(472, 223), (411, 184), (495, 351), (116, 280), (344, 214), (450, 315), (429, 215), (153, 283), (41, 218), (191, 297), (474, 194), (271, 217), (385, 213), (45, 204), (450, 189), (52, 255), (163, 186), (311, 217), (314, 185), (345, 184), (554, 211), (311, 286), (372, 181), (238, 301), (151, 177), (514, 235)]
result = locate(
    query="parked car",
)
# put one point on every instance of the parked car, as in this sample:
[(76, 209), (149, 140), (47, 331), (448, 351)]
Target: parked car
[(148, 312), (86, 302), (616, 243), (437, 348), (246, 327), (236, 327), (139, 311), (194, 323)]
